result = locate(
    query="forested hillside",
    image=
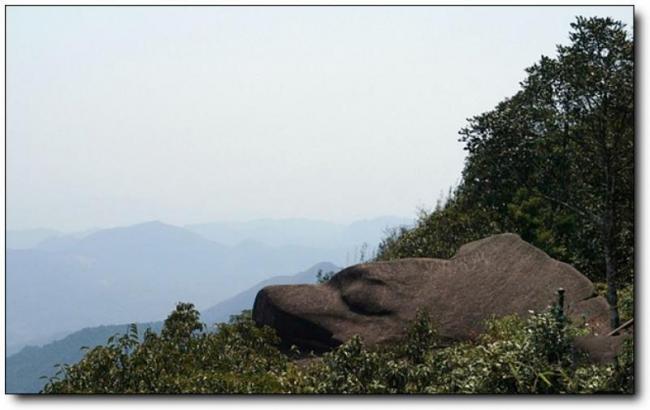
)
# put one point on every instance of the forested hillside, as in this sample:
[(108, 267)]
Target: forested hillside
[(554, 163)]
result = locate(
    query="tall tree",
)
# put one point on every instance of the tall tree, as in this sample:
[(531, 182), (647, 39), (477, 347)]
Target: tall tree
[(567, 138), (554, 163), (596, 92)]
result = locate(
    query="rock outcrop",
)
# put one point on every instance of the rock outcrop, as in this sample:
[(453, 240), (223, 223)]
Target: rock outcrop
[(492, 277)]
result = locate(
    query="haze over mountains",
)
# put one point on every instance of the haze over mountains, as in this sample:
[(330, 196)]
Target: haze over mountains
[(29, 238), (25, 368), (62, 283), (222, 311)]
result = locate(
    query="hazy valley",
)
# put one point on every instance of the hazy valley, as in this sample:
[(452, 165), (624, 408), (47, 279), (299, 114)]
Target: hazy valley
[(102, 279)]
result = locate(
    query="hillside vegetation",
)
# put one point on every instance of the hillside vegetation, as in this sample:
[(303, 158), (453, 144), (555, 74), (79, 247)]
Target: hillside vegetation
[(553, 163), (513, 356)]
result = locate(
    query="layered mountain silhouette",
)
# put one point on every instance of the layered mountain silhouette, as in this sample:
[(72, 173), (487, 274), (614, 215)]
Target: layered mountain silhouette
[(221, 311), (300, 232), (137, 273), (28, 238)]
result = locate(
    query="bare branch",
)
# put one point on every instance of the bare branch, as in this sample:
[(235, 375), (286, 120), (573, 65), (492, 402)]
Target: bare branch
[(583, 212)]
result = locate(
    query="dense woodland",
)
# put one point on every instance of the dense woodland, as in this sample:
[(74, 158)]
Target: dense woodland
[(553, 163)]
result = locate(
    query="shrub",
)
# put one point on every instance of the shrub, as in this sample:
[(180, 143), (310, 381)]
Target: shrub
[(513, 355)]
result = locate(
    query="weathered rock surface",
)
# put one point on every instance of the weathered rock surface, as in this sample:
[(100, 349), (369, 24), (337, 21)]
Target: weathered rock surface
[(602, 348), (492, 277)]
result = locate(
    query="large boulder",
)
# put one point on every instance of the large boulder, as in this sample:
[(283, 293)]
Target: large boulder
[(493, 277)]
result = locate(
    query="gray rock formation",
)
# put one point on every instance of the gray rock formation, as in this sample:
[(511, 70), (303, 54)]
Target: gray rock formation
[(492, 277)]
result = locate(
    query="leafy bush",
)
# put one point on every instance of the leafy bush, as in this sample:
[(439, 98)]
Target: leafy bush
[(238, 358), (625, 299), (513, 355), (322, 277), (626, 302)]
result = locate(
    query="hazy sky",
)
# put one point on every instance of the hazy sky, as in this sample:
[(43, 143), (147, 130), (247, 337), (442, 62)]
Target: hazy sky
[(122, 115)]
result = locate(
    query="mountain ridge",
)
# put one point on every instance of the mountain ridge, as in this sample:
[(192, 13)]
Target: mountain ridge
[(134, 274)]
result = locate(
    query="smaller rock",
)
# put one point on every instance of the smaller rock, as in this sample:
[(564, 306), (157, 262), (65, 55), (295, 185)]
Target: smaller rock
[(601, 349)]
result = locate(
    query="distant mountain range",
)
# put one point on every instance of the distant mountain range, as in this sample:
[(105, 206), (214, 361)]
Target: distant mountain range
[(25, 368), (29, 238), (57, 283), (300, 232), (221, 311)]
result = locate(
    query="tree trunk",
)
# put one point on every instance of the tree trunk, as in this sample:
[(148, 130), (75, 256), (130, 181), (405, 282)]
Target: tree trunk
[(609, 224), (610, 275)]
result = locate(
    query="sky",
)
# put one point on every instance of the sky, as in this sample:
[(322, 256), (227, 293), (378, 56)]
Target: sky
[(119, 115)]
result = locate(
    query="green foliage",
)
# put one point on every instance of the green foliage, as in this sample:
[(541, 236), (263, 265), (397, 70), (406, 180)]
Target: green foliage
[(541, 224), (421, 339), (322, 277), (554, 163), (626, 302), (625, 299), (28, 370), (513, 355), (180, 326), (440, 233), (623, 375), (239, 358)]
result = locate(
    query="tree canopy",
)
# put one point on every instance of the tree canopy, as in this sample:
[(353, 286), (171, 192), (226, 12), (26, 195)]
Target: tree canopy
[(553, 163)]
